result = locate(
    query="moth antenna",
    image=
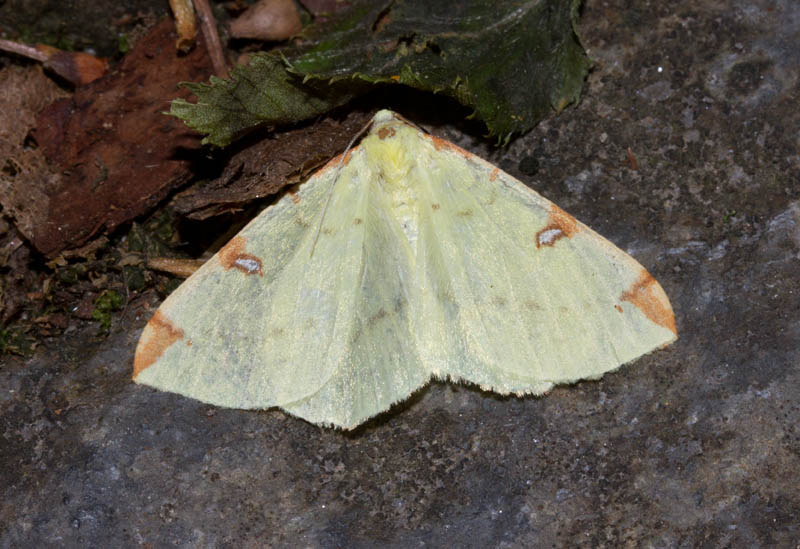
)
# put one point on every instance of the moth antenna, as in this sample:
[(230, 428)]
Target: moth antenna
[(333, 183)]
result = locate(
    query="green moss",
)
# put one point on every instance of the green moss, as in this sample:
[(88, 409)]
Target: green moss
[(108, 302), (123, 44)]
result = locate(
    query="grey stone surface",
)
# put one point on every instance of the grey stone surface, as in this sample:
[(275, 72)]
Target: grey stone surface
[(694, 445)]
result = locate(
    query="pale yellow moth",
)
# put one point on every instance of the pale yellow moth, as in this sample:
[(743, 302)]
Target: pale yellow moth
[(428, 262)]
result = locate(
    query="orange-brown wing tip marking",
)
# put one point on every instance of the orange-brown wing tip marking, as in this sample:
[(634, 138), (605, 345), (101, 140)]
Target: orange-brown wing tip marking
[(233, 256), (441, 144), (157, 336), (647, 295), (334, 162), (559, 225)]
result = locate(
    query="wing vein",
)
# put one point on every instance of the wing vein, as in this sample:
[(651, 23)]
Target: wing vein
[(507, 274), (579, 253)]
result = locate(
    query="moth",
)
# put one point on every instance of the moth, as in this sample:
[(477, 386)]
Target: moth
[(405, 259)]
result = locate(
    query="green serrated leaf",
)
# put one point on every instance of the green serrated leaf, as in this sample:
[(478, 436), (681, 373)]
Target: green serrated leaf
[(512, 61), (260, 92)]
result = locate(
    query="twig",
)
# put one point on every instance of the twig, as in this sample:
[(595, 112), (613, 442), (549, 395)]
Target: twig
[(183, 268), (184, 23), (213, 45), (77, 67), (23, 49)]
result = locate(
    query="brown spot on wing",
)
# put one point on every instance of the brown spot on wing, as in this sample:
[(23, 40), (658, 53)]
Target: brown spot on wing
[(385, 132), (294, 196), (531, 305), (157, 336), (377, 316), (493, 175), (618, 308), (435, 206), (559, 225), (233, 256), (357, 221), (647, 295)]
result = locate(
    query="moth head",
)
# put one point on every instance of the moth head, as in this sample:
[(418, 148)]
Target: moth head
[(387, 147)]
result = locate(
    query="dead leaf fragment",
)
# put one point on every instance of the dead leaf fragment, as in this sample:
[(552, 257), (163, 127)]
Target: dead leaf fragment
[(79, 68), (184, 23), (24, 173), (119, 154), (267, 20), (634, 165), (265, 167)]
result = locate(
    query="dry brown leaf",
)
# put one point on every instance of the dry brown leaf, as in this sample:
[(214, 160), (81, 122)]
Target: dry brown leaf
[(184, 23), (24, 172), (264, 168), (119, 154)]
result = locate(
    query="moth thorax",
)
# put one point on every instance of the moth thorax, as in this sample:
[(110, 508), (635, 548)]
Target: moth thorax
[(391, 160)]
